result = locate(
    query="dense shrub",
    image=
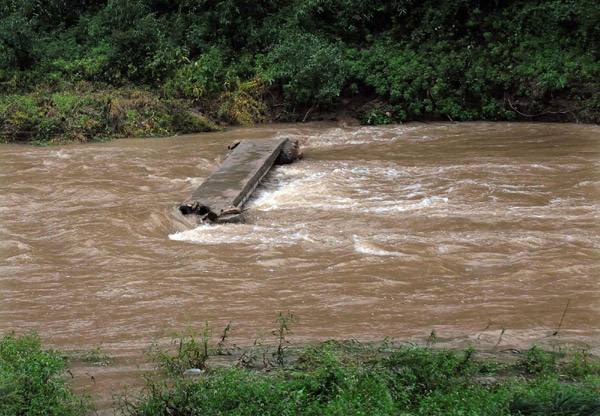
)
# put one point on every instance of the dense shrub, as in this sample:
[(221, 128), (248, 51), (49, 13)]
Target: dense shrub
[(310, 70), (31, 382)]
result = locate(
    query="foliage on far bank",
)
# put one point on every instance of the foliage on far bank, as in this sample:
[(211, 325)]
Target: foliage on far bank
[(46, 117), (32, 381), (240, 62)]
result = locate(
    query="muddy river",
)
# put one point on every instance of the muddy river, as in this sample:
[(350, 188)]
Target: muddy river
[(468, 229)]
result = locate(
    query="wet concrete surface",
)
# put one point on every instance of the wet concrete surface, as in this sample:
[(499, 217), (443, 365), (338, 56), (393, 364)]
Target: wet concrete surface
[(221, 197)]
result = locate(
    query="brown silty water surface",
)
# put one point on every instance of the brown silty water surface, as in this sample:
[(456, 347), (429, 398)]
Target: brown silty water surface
[(379, 231)]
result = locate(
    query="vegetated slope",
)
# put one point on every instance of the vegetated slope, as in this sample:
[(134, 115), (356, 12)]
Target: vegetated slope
[(346, 378), (329, 378), (63, 63)]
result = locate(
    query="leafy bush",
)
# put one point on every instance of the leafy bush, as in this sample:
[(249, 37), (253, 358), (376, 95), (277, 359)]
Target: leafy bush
[(208, 74), (31, 381), (192, 351), (245, 105), (310, 70)]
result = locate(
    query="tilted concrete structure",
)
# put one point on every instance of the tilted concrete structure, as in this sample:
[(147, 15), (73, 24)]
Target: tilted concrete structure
[(221, 197)]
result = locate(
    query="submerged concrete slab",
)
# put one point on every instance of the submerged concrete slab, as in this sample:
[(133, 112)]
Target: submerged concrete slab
[(221, 196)]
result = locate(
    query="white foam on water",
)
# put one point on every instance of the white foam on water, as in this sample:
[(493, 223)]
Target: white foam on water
[(367, 247), (289, 193), (401, 206), (362, 172), (242, 233), (429, 200), (352, 136), (62, 154), (303, 187), (412, 187), (193, 181)]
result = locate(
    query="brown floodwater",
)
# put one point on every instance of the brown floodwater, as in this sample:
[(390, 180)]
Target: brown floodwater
[(379, 231)]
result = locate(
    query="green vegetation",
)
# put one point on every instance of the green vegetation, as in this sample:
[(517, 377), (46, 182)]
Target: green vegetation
[(327, 378), (31, 381), (351, 378), (63, 63), (47, 117)]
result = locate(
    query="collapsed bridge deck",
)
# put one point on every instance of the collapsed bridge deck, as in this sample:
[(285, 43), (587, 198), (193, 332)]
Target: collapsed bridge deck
[(221, 197)]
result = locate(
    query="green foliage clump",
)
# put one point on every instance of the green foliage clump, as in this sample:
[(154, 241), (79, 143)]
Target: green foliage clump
[(376, 117), (244, 105), (564, 361), (206, 75), (550, 397), (192, 351), (31, 382), (309, 69)]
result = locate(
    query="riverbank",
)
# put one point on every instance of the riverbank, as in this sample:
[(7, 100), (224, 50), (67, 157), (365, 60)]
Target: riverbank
[(86, 114), (80, 71), (197, 375)]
